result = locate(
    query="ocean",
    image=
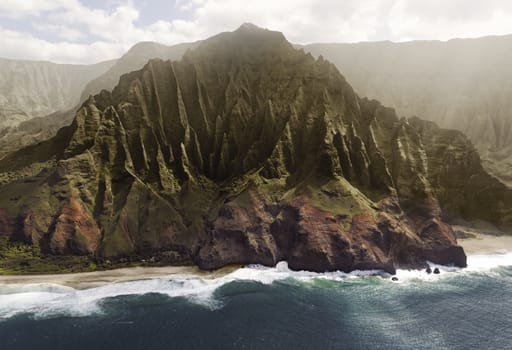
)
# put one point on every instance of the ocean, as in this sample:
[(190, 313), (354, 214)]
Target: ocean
[(270, 308)]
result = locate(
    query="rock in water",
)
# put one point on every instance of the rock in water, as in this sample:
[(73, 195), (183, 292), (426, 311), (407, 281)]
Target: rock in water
[(436, 271), (245, 151)]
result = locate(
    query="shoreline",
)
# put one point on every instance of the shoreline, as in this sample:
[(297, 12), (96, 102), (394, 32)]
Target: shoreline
[(84, 280), (473, 243), (479, 243)]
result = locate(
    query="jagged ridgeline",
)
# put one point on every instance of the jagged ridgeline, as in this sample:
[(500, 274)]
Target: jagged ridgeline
[(246, 151)]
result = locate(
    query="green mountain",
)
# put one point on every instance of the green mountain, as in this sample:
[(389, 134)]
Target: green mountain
[(461, 84), (86, 80), (244, 151)]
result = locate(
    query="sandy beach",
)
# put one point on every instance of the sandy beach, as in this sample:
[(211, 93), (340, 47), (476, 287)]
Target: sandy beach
[(473, 243), (93, 279), (485, 244)]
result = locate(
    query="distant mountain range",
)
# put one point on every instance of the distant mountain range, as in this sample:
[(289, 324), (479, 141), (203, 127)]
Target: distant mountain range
[(30, 89)]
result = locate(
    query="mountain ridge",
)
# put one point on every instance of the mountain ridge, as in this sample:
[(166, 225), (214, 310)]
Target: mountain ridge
[(41, 127), (460, 84), (262, 155), (134, 59)]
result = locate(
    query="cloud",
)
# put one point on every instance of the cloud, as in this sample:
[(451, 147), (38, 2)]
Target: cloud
[(25, 46), (306, 21), (26, 8), (443, 20), (69, 31), (61, 31)]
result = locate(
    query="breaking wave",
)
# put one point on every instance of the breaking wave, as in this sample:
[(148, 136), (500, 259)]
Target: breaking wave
[(52, 300)]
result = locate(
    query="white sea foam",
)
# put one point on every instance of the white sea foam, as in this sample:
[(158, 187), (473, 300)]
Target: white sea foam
[(52, 300), (486, 262), (477, 263)]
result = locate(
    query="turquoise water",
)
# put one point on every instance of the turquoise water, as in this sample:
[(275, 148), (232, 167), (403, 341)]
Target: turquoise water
[(270, 308)]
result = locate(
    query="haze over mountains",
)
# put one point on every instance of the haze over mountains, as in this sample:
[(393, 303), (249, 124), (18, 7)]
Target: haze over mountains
[(134, 59), (30, 89), (38, 98), (463, 84), (40, 107)]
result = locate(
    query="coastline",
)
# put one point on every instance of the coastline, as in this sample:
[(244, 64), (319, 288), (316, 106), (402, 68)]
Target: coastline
[(473, 243), (479, 243), (84, 280)]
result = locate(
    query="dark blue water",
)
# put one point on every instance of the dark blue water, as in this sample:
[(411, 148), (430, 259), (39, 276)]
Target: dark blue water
[(458, 310)]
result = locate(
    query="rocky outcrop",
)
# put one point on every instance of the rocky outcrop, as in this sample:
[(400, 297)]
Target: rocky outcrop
[(74, 230), (307, 237), (460, 84), (462, 186), (244, 151)]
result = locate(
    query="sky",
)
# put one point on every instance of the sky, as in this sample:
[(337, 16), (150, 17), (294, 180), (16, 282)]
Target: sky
[(89, 31)]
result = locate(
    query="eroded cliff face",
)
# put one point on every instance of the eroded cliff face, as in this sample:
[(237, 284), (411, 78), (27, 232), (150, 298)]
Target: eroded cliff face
[(70, 87), (245, 151), (462, 186), (461, 84)]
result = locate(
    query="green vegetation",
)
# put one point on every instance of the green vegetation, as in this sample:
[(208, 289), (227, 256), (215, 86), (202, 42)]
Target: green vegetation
[(18, 258), (21, 258), (247, 150)]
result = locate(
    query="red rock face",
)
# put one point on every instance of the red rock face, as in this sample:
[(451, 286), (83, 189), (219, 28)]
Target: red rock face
[(239, 235), (75, 231), (319, 240), (313, 239), (372, 245)]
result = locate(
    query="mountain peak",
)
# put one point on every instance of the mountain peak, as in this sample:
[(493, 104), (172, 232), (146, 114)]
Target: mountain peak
[(252, 30), (247, 26), (248, 39)]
